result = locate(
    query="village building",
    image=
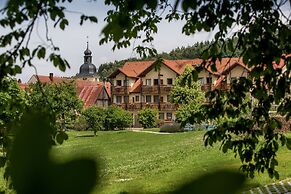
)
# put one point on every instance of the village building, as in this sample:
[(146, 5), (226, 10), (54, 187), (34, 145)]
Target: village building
[(140, 84), (88, 88)]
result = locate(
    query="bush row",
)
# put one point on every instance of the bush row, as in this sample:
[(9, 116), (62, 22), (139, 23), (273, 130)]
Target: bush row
[(103, 119)]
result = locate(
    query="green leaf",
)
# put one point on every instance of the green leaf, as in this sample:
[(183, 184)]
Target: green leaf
[(41, 53), (220, 182), (2, 162), (78, 176), (288, 143), (93, 19), (61, 136), (64, 23)]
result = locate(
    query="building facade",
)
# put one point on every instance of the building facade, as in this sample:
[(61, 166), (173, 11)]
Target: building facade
[(88, 88), (140, 84)]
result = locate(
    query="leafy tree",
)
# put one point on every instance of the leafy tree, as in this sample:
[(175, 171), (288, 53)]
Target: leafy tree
[(148, 117), (60, 98), (117, 118), (188, 95), (12, 105), (263, 37), (95, 117)]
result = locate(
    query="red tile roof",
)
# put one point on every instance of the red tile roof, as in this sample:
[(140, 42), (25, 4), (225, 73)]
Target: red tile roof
[(46, 79), (132, 68), (281, 62), (23, 86), (138, 68), (136, 88), (88, 91), (179, 66)]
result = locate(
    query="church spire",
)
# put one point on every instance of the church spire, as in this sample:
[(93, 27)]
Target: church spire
[(87, 52)]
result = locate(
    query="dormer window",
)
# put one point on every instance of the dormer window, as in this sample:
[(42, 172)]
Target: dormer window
[(118, 82)]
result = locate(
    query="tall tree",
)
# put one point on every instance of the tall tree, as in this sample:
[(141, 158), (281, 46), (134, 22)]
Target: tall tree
[(60, 98), (13, 103), (188, 95), (262, 30)]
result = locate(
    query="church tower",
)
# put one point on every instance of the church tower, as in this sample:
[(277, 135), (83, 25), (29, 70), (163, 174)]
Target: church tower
[(87, 70)]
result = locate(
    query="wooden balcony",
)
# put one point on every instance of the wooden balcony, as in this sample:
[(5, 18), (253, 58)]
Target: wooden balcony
[(120, 90), (164, 89), (139, 106), (206, 87), (224, 86)]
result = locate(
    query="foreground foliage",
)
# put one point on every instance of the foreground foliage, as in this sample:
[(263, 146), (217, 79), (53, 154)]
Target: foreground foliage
[(263, 37), (31, 168)]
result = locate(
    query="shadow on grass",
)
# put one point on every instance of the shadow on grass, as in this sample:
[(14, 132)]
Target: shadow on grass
[(86, 135)]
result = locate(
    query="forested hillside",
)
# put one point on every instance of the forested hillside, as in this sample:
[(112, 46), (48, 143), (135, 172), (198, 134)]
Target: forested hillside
[(189, 52)]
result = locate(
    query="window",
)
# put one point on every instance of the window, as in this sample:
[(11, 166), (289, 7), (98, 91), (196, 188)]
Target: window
[(209, 80), (118, 82), (170, 81), (125, 82), (156, 82), (169, 98), (148, 98), (125, 99), (156, 99), (162, 81), (132, 99), (118, 99), (137, 98), (169, 116), (201, 80), (148, 82), (162, 99), (161, 116)]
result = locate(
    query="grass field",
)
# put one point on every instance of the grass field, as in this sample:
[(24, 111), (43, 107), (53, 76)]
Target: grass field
[(154, 163)]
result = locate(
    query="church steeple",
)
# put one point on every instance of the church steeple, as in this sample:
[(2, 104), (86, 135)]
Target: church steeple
[(87, 69), (87, 57)]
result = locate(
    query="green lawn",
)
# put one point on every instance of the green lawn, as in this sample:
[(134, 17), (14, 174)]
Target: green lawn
[(153, 163)]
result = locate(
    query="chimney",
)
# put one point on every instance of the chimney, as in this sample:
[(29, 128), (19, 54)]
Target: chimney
[(51, 76)]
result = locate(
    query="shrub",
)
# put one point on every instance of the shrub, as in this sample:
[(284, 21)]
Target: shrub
[(81, 124), (117, 118), (95, 117), (171, 128), (148, 117)]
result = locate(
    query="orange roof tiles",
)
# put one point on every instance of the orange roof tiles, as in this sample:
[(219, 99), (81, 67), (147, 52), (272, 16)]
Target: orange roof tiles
[(23, 86), (179, 66), (46, 79), (136, 86), (88, 91), (281, 62), (133, 68)]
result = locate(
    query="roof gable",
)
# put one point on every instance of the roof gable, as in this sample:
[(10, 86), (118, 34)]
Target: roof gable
[(132, 68)]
